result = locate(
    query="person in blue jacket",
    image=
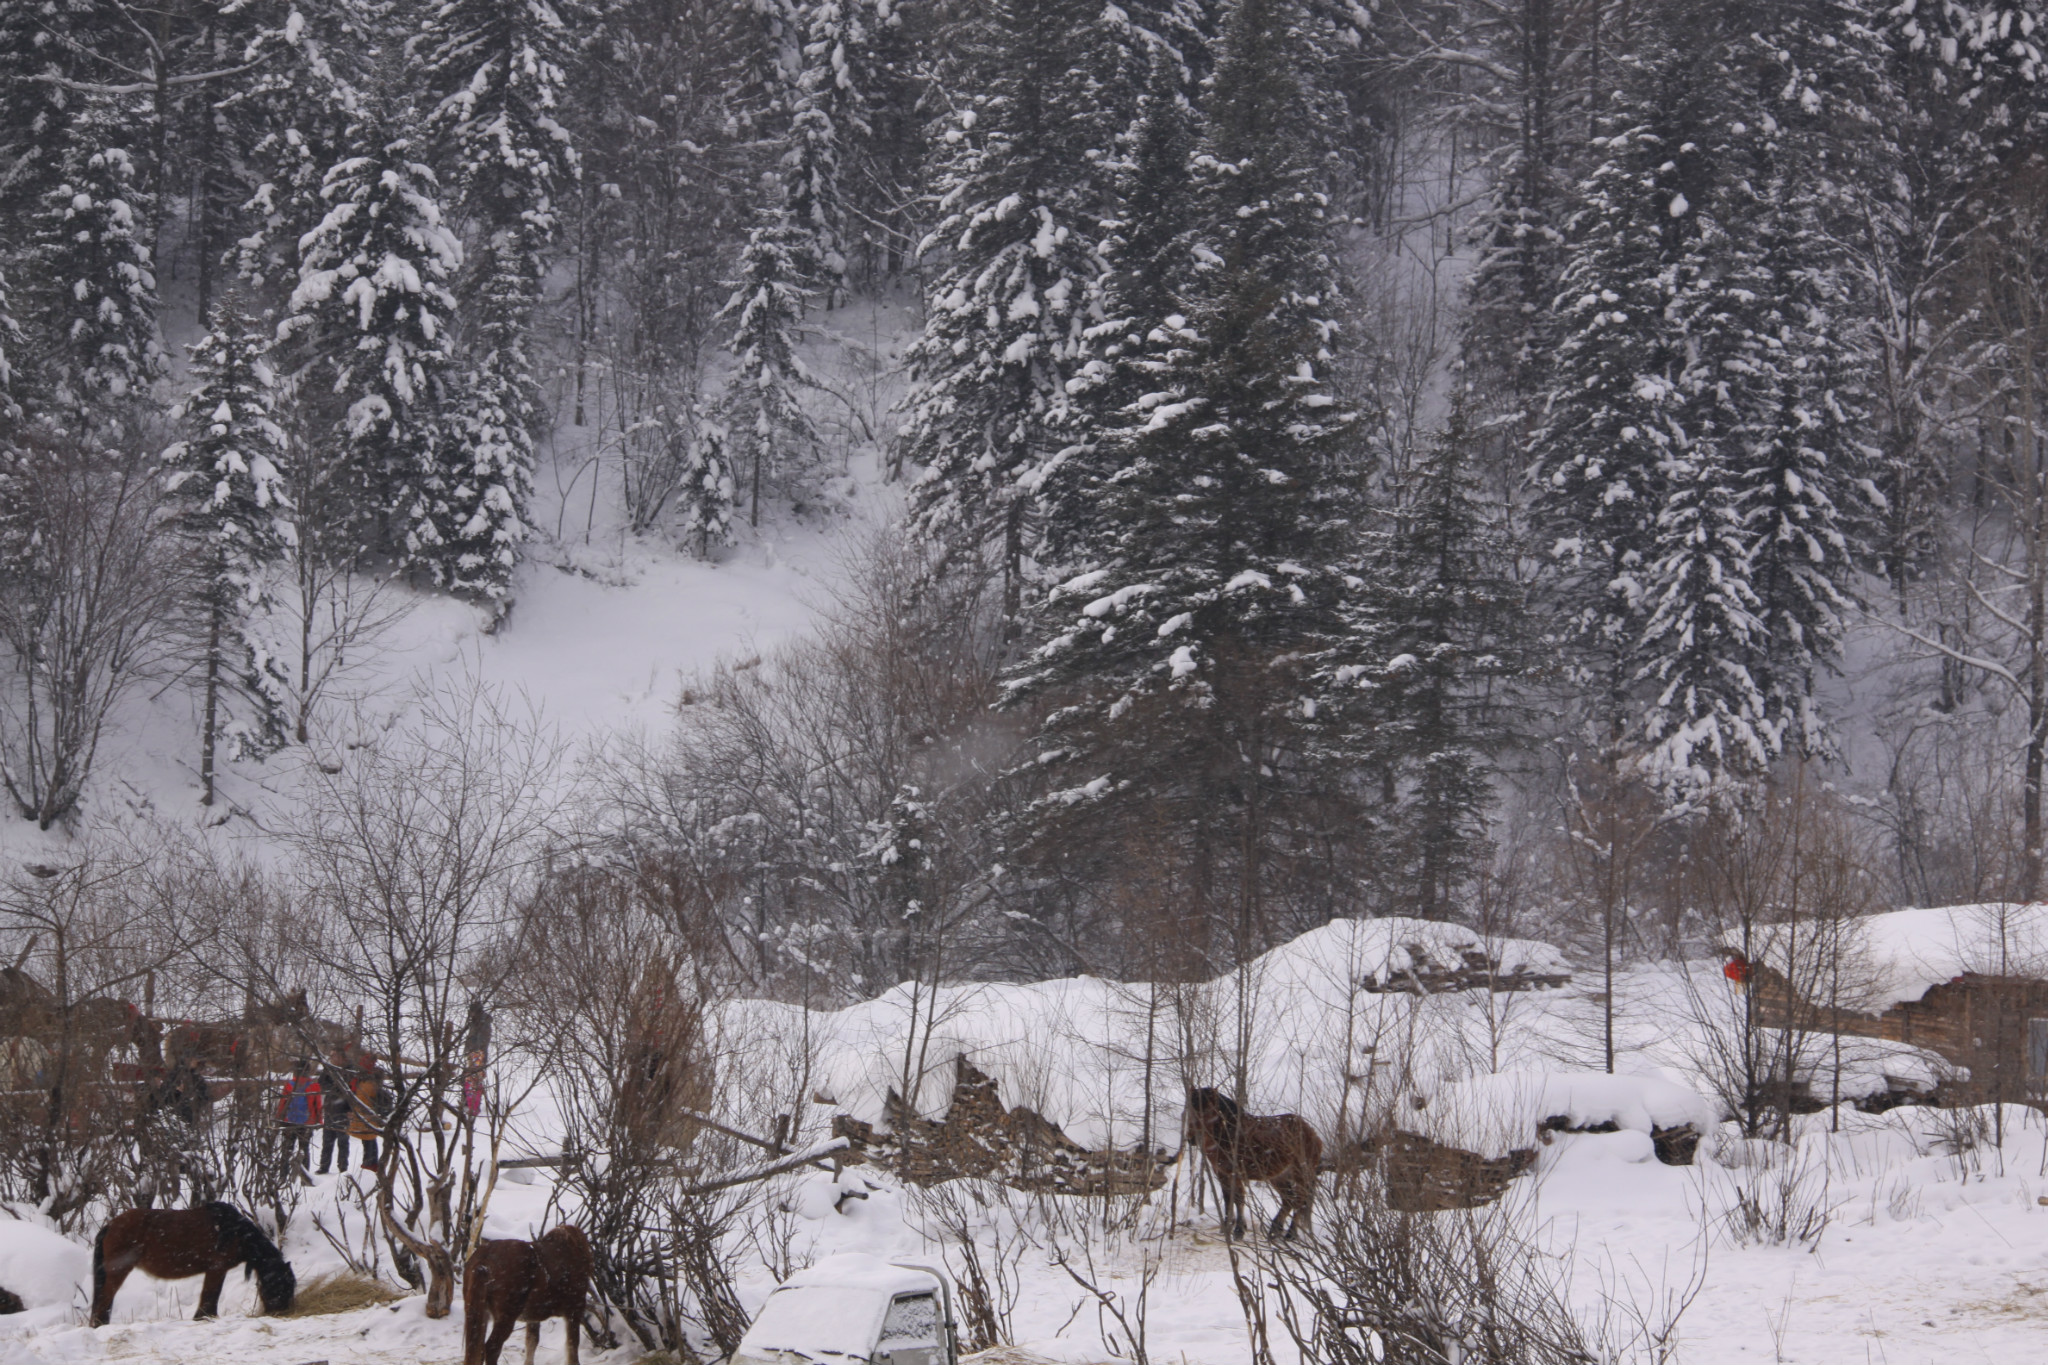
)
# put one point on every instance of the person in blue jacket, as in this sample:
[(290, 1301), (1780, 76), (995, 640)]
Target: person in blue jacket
[(299, 1111)]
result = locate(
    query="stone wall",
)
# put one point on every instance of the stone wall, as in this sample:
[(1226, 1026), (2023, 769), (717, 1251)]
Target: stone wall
[(980, 1137)]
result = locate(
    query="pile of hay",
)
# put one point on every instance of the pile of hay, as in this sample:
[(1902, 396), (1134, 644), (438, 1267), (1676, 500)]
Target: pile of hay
[(341, 1291)]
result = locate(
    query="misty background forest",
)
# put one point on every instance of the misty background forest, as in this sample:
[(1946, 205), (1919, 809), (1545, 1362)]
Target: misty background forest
[(1464, 460)]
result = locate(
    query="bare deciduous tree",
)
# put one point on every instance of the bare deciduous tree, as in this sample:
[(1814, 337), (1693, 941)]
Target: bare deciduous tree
[(90, 583), (414, 859), (1781, 879)]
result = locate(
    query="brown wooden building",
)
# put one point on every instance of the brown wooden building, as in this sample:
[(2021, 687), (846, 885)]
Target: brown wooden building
[(1969, 983)]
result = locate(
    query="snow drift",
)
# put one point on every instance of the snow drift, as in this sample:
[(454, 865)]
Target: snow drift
[(1327, 1031)]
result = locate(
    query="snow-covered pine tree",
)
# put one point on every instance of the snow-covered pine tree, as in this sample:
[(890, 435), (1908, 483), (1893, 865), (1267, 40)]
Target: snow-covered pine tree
[(226, 478), (900, 851), (496, 68), (707, 493), (1445, 620), (1747, 589), (1529, 91), (373, 307), (319, 67), (93, 343), (1018, 173), (38, 43), (1804, 439), (811, 177), (1614, 414), (1192, 670), (1148, 252), (770, 436), (828, 109), (484, 479), (216, 118), (849, 166), (1993, 56), (1703, 434)]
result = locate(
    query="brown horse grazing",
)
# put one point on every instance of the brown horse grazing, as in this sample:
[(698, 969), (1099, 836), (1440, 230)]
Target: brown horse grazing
[(529, 1282), (1280, 1149), (174, 1244)]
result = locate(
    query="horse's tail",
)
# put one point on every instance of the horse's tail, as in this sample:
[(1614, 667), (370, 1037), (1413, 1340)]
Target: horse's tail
[(99, 1267), (476, 1313)]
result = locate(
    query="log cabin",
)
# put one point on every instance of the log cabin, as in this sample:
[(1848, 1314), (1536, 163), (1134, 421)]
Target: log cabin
[(1967, 982)]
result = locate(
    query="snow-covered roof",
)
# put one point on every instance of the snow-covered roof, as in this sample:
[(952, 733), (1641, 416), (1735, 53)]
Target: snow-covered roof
[(1494, 1115), (1893, 958)]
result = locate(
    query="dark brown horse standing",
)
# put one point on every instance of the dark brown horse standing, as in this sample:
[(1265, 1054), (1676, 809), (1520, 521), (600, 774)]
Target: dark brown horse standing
[(175, 1244), (1280, 1149), (510, 1282)]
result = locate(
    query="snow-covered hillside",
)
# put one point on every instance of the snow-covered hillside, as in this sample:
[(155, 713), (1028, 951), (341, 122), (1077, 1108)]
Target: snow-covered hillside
[(600, 645)]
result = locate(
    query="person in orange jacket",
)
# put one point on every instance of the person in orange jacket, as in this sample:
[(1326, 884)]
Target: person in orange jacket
[(368, 1107), (299, 1111)]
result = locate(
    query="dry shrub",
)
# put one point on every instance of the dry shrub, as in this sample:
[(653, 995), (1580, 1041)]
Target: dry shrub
[(1381, 1287), (341, 1291)]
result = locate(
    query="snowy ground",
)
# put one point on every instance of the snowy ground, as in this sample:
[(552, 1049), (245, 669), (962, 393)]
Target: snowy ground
[(1926, 1256), (1924, 1262), (602, 639)]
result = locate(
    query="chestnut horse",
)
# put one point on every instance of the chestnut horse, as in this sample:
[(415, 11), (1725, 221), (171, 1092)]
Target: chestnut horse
[(173, 1244), (1280, 1149), (511, 1282)]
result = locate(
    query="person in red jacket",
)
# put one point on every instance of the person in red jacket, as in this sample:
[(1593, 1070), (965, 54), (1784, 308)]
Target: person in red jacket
[(300, 1113)]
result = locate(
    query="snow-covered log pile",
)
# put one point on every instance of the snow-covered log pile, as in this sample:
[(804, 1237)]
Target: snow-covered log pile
[(1497, 1116), (1874, 1074), (1459, 1146), (1423, 1175), (1427, 957)]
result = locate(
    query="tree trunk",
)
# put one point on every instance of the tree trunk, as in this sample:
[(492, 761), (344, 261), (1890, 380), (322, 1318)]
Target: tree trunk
[(754, 496), (210, 726), (1013, 567), (309, 598), (442, 1272), (2037, 655)]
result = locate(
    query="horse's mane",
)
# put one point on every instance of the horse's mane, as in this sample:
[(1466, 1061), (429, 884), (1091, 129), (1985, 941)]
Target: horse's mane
[(260, 1256), (236, 1229), (1225, 1108)]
